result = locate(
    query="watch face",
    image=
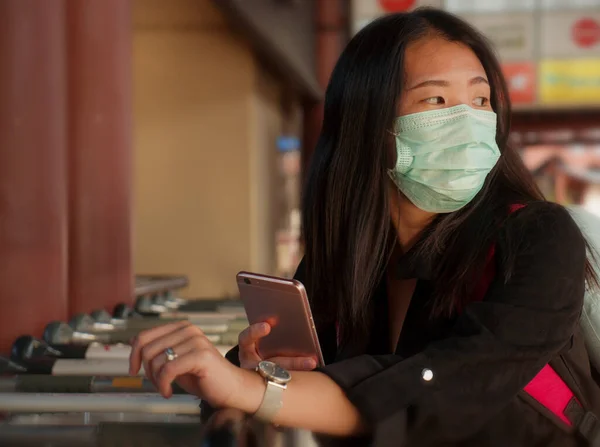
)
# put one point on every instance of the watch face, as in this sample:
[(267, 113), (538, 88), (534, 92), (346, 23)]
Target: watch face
[(274, 372)]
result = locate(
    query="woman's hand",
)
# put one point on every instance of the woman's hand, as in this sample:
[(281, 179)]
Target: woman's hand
[(201, 370), (198, 368), (249, 356)]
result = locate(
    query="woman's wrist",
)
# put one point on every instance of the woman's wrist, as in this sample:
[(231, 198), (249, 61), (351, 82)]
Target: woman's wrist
[(250, 393)]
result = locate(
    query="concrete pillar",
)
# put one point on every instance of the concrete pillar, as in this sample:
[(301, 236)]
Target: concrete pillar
[(33, 206), (100, 153)]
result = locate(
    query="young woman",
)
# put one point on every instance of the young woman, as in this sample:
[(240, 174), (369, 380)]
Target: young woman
[(413, 195)]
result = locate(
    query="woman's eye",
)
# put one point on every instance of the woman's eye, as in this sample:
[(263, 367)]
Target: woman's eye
[(481, 101), (434, 100)]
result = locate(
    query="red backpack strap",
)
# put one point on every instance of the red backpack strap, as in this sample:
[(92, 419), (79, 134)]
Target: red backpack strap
[(547, 390)]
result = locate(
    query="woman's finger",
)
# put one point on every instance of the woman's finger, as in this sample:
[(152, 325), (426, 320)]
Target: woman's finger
[(295, 363), (148, 336), (249, 336), (154, 355), (183, 348), (158, 346), (192, 362)]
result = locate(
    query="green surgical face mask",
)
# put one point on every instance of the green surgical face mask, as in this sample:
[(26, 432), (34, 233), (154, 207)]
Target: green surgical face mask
[(444, 156)]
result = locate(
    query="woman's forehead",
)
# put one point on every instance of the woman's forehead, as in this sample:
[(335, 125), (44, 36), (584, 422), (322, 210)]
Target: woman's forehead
[(438, 58)]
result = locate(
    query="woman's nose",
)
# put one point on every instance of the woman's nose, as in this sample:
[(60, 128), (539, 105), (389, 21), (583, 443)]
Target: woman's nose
[(452, 102)]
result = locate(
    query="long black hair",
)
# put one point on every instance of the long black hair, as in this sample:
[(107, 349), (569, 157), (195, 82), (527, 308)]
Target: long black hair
[(346, 202)]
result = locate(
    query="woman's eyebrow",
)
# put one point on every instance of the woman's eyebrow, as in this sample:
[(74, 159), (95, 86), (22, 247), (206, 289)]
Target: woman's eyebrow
[(478, 80), (431, 83), (441, 83)]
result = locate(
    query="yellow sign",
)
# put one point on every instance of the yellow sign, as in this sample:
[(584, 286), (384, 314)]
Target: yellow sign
[(575, 81)]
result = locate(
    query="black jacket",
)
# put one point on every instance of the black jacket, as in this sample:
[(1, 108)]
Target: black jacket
[(481, 359)]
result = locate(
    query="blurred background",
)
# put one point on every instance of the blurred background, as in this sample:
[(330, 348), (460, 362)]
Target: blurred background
[(171, 136)]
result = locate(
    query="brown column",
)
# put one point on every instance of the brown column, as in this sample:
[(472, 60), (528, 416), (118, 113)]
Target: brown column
[(33, 234), (331, 17), (100, 151)]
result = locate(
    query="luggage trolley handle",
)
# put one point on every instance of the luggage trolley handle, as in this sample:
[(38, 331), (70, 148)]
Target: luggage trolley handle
[(39, 383), (34, 383)]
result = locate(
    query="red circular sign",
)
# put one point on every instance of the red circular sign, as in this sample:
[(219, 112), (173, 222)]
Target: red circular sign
[(396, 5), (586, 33)]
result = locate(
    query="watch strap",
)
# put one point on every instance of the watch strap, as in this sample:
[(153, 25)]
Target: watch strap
[(272, 401)]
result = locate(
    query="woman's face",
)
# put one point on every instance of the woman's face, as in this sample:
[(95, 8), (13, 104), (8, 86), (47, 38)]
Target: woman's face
[(438, 74), (441, 74)]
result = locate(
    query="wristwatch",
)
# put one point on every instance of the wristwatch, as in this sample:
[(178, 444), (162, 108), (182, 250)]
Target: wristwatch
[(276, 379)]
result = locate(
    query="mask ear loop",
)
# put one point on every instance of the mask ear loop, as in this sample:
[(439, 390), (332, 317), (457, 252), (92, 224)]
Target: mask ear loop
[(404, 156), (390, 171)]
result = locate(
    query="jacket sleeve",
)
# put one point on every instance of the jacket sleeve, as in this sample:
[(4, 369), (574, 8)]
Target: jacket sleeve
[(497, 345)]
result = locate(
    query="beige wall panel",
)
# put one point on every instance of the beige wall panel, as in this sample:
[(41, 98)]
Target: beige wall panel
[(266, 126), (192, 176)]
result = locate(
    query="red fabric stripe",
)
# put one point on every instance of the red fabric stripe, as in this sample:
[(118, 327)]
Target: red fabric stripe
[(549, 389)]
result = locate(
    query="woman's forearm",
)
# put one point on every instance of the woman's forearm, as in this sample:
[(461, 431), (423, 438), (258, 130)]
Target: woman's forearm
[(311, 401)]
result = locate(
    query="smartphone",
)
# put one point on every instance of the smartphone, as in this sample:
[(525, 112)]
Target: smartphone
[(283, 304)]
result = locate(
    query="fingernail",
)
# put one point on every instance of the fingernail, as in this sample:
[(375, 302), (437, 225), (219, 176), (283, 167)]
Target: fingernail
[(309, 364), (264, 326)]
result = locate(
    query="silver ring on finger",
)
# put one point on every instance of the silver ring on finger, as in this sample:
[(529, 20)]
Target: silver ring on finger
[(171, 355)]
